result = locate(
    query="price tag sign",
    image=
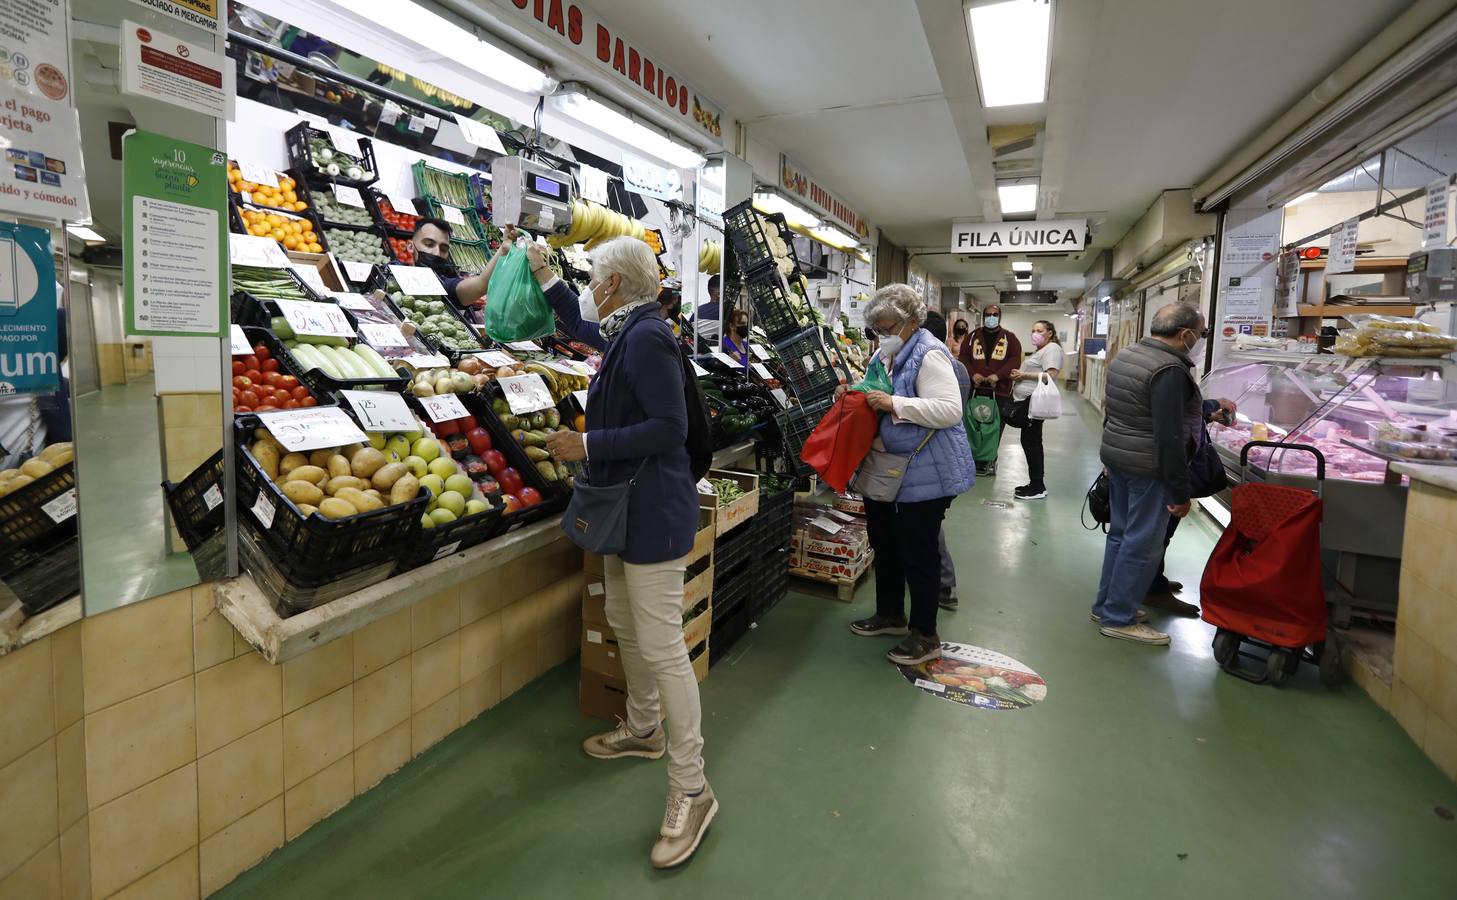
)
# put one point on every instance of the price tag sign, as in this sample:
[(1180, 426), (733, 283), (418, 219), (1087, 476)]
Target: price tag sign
[(417, 281), (443, 407), (759, 352), (727, 360), (352, 301), (380, 410), (348, 196), (382, 337), (581, 398), (497, 358), (319, 319), (252, 250), (593, 183), (697, 369), (390, 114), (446, 550), (257, 174), (825, 524), (432, 121), (417, 124), (213, 497), (310, 429), (451, 214), (310, 276), (761, 371), (780, 397), (61, 508), (424, 361), (263, 509), (525, 393), (238, 341), (563, 367), (480, 134), (525, 346), (401, 201), (357, 271)]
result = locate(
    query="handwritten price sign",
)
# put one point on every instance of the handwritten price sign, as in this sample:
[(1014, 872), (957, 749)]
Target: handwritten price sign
[(525, 393), (357, 272), (238, 341), (310, 429), (452, 215), (380, 410), (319, 319), (497, 358), (417, 281), (348, 195), (352, 301), (252, 250), (525, 346), (257, 174), (382, 337), (443, 407)]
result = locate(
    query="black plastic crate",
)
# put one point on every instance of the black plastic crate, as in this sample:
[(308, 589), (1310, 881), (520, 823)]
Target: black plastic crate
[(772, 530), (27, 527), (211, 558), (554, 494), (726, 633), (196, 502), (313, 551), (771, 581), (795, 425), (373, 231), (748, 236), (443, 540), (239, 226), (286, 363), (322, 385), (46, 579), (372, 199), (299, 157), (289, 597), (730, 596), (810, 367), (731, 549), (381, 280), (774, 310)]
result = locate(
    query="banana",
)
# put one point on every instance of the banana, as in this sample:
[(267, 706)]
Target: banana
[(547, 375)]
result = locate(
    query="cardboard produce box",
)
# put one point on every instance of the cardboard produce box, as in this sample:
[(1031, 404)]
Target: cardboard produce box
[(601, 654), (739, 511), (602, 696), (828, 533)]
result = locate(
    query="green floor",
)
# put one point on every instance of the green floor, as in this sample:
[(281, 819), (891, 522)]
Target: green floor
[(1145, 772), (122, 525)]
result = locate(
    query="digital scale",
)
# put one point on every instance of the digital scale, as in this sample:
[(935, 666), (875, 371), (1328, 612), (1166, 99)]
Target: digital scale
[(1431, 275), (530, 195)]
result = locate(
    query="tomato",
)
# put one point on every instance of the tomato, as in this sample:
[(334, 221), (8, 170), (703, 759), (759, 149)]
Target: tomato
[(242, 382), (530, 496), (262, 352), (250, 361), (467, 423), (238, 409), (447, 428), (480, 440), (280, 395), (495, 462), (254, 376), (238, 367), (270, 365), (510, 480), (512, 503), (264, 407), (287, 381), (247, 398), (299, 392), (290, 404), (308, 402), (271, 379)]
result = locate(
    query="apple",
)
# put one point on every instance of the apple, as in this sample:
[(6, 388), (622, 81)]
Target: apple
[(417, 466), (443, 516), (426, 521), (377, 440), (399, 445), (435, 483), (443, 466), (476, 507), (530, 496), (461, 484), (495, 462), (512, 504), (480, 440), (452, 501), (427, 448)]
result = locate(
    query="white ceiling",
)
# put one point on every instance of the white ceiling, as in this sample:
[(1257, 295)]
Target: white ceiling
[(879, 100)]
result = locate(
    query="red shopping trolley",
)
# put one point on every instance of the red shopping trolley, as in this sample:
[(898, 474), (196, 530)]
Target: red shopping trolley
[(1262, 584)]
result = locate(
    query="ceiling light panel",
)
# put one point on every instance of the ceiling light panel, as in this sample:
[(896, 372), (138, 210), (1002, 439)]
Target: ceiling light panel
[(1017, 198), (1011, 42), (1022, 265)]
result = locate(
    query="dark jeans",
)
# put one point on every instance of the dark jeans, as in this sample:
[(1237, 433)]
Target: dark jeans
[(1160, 580), (903, 536)]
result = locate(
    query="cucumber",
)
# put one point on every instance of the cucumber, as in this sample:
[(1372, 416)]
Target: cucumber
[(352, 366), (325, 340), (374, 361), (321, 360), (338, 361), (279, 326)]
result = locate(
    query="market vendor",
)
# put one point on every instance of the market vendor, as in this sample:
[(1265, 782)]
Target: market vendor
[(990, 354), (431, 241)]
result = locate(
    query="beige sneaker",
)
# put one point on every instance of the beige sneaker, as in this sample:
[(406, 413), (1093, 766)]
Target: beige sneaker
[(1141, 616), (621, 742), (685, 821), (1137, 632)]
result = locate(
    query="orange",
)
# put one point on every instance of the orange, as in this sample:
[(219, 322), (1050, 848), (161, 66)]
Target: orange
[(290, 242), (277, 234), (315, 248), (290, 196)]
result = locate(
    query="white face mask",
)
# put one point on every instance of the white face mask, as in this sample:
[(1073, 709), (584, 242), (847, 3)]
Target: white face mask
[(588, 305), (890, 346), (1196, 352)]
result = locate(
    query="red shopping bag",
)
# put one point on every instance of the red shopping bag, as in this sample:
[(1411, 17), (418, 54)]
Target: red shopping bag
[(841, 440)]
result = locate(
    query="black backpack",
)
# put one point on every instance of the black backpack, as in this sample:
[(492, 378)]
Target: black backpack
[(700, 438), (1098, 503)]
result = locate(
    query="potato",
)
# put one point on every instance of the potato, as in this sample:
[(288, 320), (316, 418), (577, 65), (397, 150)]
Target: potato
[(375, 494), (335, 485), (367, 461), (405, 489), (334, 508), (311, 474), (388, 474), (303, 492), (267, 455), (320, 458), (348, 450), (360, 500), (307, 510), (263, 434), (37, 467), (338, 465), (292, 461)]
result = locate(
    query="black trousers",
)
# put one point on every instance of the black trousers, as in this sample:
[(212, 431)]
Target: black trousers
[(1160, 580), (1032, 448), (903, 536)]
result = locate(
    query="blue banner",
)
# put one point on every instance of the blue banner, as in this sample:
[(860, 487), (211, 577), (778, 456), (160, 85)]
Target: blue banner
[(29, 329)]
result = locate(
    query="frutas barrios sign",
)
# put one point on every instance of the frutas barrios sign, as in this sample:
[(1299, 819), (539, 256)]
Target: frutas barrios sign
[(999, 238)]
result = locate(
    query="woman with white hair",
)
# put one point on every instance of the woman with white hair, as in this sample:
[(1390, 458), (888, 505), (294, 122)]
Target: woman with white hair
[(921, 434), (637, 428)]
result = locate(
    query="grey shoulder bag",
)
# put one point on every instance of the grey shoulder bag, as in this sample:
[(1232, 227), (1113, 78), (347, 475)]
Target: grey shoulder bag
[(596, 516), (881, 473)]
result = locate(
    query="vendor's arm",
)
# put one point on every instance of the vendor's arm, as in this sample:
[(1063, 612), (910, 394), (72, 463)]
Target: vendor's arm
[(563, 300), (655, 374), (937, 403), (470, 290)]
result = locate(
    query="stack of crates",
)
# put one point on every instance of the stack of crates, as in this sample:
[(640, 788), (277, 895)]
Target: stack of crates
[(733, 565), (772, 527)]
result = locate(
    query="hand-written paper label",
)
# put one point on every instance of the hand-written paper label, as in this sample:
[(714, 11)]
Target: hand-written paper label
[(320, 319), (310, 429), (382, 336), (480, 134), (697, 369), (581, 397), (525, 346), (357, 271), (781, 398), (417, 124), (759, 352), (352, 301), (424, 361), (310, 277), (761, 371), (257, 174), (727, 360), (417, 281), (380, 410), (443, 407), (825, 524), (525, 393), (349, 196), (252, 250), (451, 214), (238, 341), (496, 358)]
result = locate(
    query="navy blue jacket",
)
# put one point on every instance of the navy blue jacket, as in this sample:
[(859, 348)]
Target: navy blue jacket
[(636, 411)]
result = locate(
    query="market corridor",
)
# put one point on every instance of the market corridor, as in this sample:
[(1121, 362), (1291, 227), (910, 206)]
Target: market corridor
[(1145, 772)]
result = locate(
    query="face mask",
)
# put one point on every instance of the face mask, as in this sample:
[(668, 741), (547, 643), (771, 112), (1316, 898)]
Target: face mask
[(437, 264), (1038, 339), (1196, 352), (741, 330), (587, 303), (960, 331), (992, 322), (890, 346)]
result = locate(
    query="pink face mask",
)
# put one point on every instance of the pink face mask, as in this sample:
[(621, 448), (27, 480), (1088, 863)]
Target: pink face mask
[(1038, 338)]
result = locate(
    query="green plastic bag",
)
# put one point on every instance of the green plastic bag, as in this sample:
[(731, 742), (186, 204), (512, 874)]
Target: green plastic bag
[(983, 421), (876, 379), (516, 309)]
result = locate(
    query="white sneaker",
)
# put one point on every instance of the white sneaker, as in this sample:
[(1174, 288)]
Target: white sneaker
[(1142, 616), (1137, 632), (685, 821), (621, 742)]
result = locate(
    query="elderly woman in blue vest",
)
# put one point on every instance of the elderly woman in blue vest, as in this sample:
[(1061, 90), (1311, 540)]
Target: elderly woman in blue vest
[(636, 412), (921, 421)]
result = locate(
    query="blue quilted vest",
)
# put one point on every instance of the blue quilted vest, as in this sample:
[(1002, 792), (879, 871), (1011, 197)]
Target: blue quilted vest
[(944, 467)]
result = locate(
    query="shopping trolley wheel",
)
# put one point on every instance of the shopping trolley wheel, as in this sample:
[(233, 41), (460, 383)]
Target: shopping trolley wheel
[(1226, 646), (1329, 654), (1277, 666)]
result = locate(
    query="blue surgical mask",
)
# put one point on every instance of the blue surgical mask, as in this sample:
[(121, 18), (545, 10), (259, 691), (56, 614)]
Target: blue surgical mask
[(992, 322)]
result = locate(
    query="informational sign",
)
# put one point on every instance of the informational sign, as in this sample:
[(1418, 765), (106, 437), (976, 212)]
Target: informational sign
[(252, 250), (1243, 299), (854, 307), (417, 281), (238, 341), (978, 678), (306, 317), (30, 360), (313, 428), (1235, 325), (796, 179), (1246, 248), (1287, 290), (164, 67), (480, 134), (650, 179), (443, 407), (311, 278), (525, 393), (1342, 255), (383, 336), (1435, 233), (202, 13), (1000, 238), (708, 200), (357, 272), (174, 203), (41, 135), (349, 196), (380, 410), (592, 184)]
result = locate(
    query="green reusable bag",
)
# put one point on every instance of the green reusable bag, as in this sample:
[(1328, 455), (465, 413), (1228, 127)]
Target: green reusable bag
[(983, 421), (516, 308), (876, 379)]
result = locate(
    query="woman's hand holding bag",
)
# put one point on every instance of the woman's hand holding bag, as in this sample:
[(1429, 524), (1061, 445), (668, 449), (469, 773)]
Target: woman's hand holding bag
[(1046, 400)]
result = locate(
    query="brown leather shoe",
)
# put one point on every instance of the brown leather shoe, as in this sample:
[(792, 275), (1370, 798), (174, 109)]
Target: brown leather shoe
[(1169, 603)]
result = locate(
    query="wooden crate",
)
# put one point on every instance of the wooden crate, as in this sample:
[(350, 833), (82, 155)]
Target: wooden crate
[(739, 511)]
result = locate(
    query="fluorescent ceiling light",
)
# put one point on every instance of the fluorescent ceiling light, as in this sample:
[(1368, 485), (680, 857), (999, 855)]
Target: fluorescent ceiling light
[(1021, 265), (1017, 198), (835, 237), (438, 36), (573, 100), (793, 213), (1011, 43), (88, 235), (1024, 285), (1308, 195)]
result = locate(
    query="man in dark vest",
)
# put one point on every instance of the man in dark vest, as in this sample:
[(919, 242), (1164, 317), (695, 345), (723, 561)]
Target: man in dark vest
[(1153, 419)]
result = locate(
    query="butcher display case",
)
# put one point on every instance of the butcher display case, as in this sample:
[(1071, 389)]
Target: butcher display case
[(1362, 414)]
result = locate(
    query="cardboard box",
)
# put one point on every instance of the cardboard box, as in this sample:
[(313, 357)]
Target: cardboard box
[(324, 264), (591, 564), (739, 511), (850, 543), (850, 503), (602, 696), (594, 600), (600, 652), (828, 568)]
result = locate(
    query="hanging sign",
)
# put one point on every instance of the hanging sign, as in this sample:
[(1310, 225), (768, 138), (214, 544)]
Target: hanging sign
[(650, 179), (1287, 285), (997, 238), (41, 135), (1342, 255), (202, 13), (29, 326), (1435, 232), (380, 410), (313, 428), (592, 183), (174, 203), (481, 134), (794, 178), (163, 67)]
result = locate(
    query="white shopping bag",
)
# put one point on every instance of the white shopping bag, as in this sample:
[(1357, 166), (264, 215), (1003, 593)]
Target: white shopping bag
[(1046, 402)]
